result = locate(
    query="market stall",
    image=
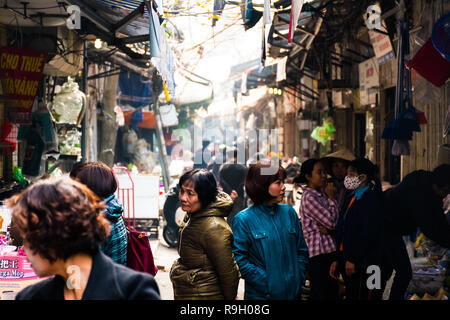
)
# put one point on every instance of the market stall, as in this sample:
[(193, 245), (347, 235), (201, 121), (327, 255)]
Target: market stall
[(16, 272), (431, 267)]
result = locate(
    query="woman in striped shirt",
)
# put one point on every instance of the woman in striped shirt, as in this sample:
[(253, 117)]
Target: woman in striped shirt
[(319, 214)]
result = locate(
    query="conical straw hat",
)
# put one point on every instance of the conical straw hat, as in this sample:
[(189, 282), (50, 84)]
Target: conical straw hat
[(344, 154)]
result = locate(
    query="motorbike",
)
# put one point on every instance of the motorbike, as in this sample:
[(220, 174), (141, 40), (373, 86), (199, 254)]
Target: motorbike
[(174, 215)]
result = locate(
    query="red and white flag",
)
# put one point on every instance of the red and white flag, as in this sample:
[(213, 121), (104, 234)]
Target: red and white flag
[(296, 8)]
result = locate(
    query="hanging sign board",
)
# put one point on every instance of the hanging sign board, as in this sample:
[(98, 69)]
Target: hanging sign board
[(20, 75), (5, 218), (169, 115), (382, 46), (368, 81)]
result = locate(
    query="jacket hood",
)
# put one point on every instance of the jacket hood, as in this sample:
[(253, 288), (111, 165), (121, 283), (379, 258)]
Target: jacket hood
[(114, 209), (219, 208)]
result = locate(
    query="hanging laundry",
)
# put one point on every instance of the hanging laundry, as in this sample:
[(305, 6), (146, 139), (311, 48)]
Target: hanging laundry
[(267, 15), (134, 90), (296, 8), (249, 14), (218, 8)]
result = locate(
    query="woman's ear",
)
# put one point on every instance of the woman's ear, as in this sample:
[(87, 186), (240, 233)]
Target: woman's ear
[(363, 178), (307, 177)]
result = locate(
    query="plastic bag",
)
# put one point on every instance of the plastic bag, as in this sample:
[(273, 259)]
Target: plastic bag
[(400, 147)]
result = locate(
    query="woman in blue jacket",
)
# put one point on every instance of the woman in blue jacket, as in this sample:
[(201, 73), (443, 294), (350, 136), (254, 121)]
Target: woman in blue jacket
[(360, 234), (269, 247)]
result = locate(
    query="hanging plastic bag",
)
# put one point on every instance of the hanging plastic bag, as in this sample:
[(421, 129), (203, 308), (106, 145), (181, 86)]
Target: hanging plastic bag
[(400, 147)]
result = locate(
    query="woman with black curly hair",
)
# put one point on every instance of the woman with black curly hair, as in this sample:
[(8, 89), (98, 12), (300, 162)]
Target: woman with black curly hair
[(61, 225)]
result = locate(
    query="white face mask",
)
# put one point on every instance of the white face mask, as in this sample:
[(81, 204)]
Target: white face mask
[(351, 183)]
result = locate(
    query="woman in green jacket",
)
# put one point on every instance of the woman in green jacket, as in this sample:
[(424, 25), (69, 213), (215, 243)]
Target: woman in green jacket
[(206, 268)]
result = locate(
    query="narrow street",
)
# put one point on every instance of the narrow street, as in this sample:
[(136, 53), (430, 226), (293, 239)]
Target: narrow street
[(303, 143)]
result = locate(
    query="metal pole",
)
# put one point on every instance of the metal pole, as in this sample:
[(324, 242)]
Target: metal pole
[(156, 85), (400, 62), (85, 90)]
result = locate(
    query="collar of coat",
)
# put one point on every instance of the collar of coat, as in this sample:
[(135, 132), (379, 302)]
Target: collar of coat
[(219, 208), (102, 277), (358, 193), (268, 208)]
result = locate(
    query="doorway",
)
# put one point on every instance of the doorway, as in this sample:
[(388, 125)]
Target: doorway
[(391, 163), (360, 134)]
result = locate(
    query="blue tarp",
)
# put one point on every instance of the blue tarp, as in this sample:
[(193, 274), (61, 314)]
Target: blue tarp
[(134, 90)]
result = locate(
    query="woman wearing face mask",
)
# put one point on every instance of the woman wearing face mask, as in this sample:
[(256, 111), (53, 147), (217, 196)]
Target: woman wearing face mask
[(319, 210), (360, 233)]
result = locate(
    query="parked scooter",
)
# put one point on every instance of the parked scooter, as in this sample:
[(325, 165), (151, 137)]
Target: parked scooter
[(174, 216), (172, 212)]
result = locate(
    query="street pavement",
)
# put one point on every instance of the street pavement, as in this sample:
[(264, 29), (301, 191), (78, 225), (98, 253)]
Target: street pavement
[(164, 257)]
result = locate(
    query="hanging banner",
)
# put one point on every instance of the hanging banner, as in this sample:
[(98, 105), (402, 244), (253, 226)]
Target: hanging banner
[(382, 46), (20, 75), (267, 16), (160, 52), (281, 69), (368, 81), (296, 8)]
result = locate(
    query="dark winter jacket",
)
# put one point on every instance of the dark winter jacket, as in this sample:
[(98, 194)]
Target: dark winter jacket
[(360, 231), (107, 281), (206, 266), (413, 204), (231, 177)]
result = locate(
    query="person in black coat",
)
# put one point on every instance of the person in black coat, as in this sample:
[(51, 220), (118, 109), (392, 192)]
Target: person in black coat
[(360, 233), (416, 202), (231, 179), (62, 226)]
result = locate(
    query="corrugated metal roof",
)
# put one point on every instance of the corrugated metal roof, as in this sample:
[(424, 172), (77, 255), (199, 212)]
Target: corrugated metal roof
[(122, 4)]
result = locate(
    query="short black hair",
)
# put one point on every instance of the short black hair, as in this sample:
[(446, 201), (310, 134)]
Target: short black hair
[(365, 166), (306, 168), (204, 184), (257, 184), (441, 175), (97, 176)]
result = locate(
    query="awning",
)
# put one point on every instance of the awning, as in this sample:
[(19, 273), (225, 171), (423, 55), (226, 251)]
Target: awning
[(256, 78)]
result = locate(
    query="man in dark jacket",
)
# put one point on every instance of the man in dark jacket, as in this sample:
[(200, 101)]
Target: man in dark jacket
[(199, 156), (417, 202), (231, 178)]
